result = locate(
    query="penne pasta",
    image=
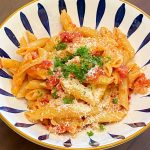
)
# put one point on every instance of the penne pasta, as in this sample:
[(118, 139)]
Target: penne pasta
[(31, 37), (23, 42), (35, 84), (76, 89), (71, 111), (123, 94), (107, 116), (77, 78), (66, 21)]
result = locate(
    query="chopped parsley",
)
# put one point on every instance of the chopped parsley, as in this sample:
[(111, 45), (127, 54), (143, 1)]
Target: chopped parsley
[(82, 52), (74, 69), (50, 72), (58, 62), (68, 100), (54, 93), (90, 133), (87, 61), (69, 57), (97, 60), (102, 127), (61, 46), (115, 100)]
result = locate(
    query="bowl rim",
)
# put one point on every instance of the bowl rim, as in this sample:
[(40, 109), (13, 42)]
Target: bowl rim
[(38, 142)]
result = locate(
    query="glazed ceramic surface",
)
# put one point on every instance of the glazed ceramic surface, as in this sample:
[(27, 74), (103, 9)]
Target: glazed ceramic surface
[(43, 19)]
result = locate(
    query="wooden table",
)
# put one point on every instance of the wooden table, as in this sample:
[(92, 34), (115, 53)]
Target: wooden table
[(9, 140)]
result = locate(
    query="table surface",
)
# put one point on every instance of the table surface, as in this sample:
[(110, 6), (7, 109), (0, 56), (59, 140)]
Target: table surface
[(9, 140)]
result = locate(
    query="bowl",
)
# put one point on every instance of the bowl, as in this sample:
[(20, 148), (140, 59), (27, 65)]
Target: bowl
[(42, 18)]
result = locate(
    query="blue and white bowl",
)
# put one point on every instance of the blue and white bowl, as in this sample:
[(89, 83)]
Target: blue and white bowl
[(43, 19)]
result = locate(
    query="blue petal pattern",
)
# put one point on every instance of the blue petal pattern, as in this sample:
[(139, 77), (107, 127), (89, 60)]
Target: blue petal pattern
[(68, 143), (147, 63), (4, 74), (3, 53), (137, 124), (11, 36), (81, 11), (62, 5), (11, 110), (23, 125), (117, 136), (5, 93), (145, 41), (145, 110), (43, 17), (147, 95), (100, 12), (135, 25), (120, 15), (93, 143), (25, 22), (43, 137)]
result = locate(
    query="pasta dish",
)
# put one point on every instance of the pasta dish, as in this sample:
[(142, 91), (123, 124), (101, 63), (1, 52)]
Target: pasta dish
[(78, 78)]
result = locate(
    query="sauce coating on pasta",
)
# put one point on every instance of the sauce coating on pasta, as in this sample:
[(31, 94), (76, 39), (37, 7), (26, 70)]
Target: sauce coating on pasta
[(81, 77)]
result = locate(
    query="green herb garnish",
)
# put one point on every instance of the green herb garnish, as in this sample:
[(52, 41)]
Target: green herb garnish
[(97, 60), (74, 69), (115, 100), (58, 62), (87, 61), (82, 52), (90, 133), (68, 100), (61, 46), (54, 93), (50, 72), (102, 127)]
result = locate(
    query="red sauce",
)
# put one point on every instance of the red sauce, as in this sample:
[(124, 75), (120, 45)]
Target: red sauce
[(141, 84), (45, 64), (44, 100), (123, 71), (69, 37), (52, 81)]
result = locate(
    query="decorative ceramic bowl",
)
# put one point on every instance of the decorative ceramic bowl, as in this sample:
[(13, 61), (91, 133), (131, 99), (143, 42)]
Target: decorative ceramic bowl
[(43, 19)]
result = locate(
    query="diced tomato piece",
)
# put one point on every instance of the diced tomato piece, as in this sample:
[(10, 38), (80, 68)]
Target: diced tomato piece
[(52, 81), (44, 100), (61, 129), (142, 81), (96, 52), (69, 37), (95, 73), (45, 64), (32, 71), (141, 84), (46, 122), (64, 128), (123, 71), (72, 75), (59, 87)]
